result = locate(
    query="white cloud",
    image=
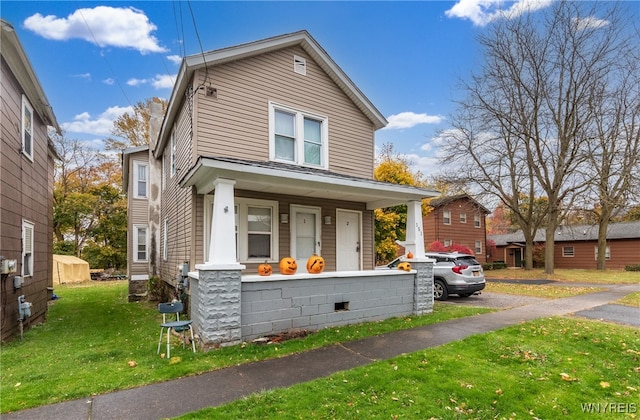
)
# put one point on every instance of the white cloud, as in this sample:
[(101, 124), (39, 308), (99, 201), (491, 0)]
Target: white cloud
[(160, 81), (589, 23), (123, 27), (482, 12), (164, 81), (175, 59), (411, 119), (109, 81), (86, 76), (100, 126)]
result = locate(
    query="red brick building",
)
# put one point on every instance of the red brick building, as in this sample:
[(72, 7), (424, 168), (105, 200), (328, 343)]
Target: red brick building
[(457, 219), (576, 246)]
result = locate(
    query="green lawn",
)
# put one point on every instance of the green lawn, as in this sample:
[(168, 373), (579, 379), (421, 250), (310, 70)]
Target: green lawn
[(94, 342), (545, 369), (564, 275)]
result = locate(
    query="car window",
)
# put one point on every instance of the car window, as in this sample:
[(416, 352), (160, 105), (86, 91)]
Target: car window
[(466, 261)]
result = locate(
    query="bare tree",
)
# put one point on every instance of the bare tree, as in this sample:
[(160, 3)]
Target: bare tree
[(131, 130), (528, 118)]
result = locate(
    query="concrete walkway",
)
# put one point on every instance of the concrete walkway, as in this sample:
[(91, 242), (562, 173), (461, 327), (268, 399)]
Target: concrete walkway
[(180, 396)]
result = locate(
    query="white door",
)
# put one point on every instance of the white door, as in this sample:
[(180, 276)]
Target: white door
[(348, 240), (305, 233)]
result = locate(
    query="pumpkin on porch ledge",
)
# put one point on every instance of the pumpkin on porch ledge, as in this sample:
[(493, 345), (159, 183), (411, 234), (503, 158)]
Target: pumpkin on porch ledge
[(288, 265), (265, 269), (404, 266), (315, 264)]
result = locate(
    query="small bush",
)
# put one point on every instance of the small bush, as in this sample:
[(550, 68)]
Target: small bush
[(496, 265), (633, 267)]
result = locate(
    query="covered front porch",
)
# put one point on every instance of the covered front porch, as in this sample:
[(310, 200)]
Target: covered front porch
[(257, 212)]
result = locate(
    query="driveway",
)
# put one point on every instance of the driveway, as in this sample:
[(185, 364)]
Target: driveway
[(611, 312)]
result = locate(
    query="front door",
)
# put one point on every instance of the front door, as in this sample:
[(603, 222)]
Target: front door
[(348, 240), (305, 233)]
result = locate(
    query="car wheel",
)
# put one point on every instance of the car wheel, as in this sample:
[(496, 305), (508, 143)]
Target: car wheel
[(465, 295), (440, 290)]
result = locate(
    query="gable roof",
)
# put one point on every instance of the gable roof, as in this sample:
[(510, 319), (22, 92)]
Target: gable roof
[(302, 38), (448, 199), (571, 233), (20, 66)]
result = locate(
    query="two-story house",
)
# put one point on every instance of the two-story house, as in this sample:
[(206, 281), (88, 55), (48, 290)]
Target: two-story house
[(266, 151), (457, 219), (26, 189)]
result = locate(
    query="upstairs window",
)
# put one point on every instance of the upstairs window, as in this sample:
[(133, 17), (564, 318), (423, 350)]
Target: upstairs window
[(172, 154), (27, 128), (476, 221), (446, 217), (298, 137), (140, 184), (463, 217)]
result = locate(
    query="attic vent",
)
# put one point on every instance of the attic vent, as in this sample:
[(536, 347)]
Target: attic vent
[(299, 65)]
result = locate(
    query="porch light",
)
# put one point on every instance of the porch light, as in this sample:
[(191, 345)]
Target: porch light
[(284, 218), (327, 220)]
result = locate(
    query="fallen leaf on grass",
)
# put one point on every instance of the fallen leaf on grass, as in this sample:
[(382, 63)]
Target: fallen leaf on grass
[(605, 384), (132, 363), (567, 378)]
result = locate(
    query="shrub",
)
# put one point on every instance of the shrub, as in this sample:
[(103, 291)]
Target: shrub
[(496, 265), (633, 267)]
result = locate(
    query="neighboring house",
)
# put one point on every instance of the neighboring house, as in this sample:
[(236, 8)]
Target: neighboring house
[(26, 187), (457, 219), (576, 246), (266, 151)]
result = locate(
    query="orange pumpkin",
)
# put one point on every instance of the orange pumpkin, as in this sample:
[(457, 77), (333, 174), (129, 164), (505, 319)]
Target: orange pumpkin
[(288, 265), (265, 269), (404, 266), (315, 264), (409, 255)]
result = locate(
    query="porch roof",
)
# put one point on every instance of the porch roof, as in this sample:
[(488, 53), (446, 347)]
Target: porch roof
[(279, 178)]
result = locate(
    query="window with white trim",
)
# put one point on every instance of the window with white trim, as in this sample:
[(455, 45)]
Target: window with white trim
[(446, 217), (607, 253), (256, 229), (447, 242), (165, 240), (463, 217), (27, 128), (298, 137), (172, 153), (27, 248), (568, 251), (140, 243), (140, 179), (477, 221), (478, 247)]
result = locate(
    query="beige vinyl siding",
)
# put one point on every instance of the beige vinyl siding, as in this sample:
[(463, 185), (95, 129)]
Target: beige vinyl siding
[(138, 215), (25, 194), (236, 123), (178, 203)]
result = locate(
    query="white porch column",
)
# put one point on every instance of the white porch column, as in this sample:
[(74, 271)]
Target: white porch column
[(217, 289), (415, 233), (222, 242)]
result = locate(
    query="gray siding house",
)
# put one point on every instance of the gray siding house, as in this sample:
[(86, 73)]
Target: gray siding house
[(266, 151), (26, 188)]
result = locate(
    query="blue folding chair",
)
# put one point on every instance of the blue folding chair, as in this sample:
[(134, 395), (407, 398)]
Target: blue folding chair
[(177, 325)]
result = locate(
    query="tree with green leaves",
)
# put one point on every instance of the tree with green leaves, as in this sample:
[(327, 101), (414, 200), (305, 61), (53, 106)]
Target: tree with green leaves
[(391, 221)]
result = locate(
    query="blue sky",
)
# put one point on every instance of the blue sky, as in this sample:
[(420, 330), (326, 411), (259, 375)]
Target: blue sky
[(97, 59)]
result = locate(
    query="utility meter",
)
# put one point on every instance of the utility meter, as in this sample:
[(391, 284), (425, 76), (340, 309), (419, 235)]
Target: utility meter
[(9, 266)]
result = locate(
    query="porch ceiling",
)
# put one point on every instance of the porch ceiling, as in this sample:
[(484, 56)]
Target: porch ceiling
[(279, 178)]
